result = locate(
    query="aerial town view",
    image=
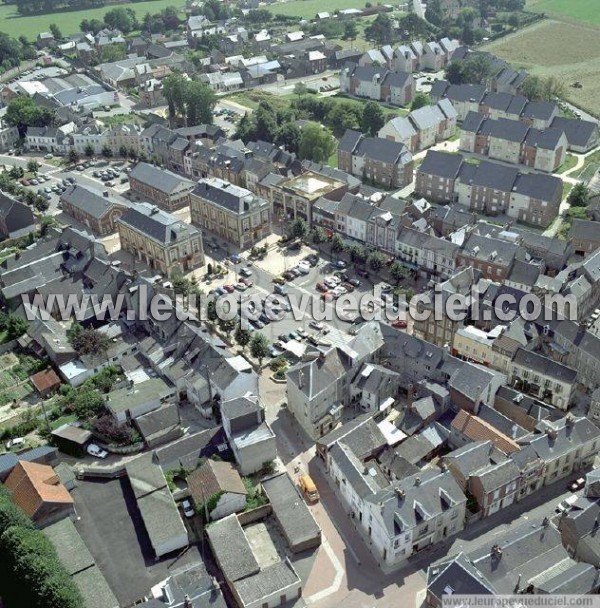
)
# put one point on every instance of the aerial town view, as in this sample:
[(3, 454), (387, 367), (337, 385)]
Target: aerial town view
[(299, 304)]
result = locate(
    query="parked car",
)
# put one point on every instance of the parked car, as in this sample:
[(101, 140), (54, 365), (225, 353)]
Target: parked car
[(348, 286), (188, 510), (17, 442), (284, 337), (274, 351), (280, 289), (293, 336), (229, 288), (245, 272), (241, 286), (321, 287), (236, 258), (279, 280), (96, 451), (399, 324), (566, 504), (577, 485), (316, 325), (341, 264), (354, 282), (258, 324)]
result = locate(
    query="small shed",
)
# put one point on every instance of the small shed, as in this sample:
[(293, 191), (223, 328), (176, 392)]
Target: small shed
[(45, 382), (71, 439)]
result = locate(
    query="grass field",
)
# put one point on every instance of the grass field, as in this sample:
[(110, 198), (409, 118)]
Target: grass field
[(68, 21), (576, 57), (579, 10), (307, 9)]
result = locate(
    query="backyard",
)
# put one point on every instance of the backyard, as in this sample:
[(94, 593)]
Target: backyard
[(575, 59), (68, 21)]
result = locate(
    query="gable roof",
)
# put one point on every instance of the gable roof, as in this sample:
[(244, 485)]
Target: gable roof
[(31, 485), (441, 164), (477, 429), (91, 200), (214, 477), (160, 179)]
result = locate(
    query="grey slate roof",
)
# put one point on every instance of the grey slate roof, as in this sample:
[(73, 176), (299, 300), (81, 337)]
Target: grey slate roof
[(91, 201), (493, 175), (586, 230), (547, 139), (473, 121), (541, 110), (274, 579), (578, 132), (538, 186), (230, 197), (510, 130), (160, 179), (441, 164), (536, 362)]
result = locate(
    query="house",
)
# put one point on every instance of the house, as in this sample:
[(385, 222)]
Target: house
[(491, 256), (383, 162), (232, 212), (294, 519), (46, 455), (545, 150), (16, 219), (585, 236), (36, 489), (217, 487), (436, 176), (45, 382), (578, 530), (423, 127), (535, 198), (526, 559), (464, 97), (542, 377), (434, 58), (159, 239), (251, 585), (138, 399), (164, 188), (502, 105), (539, 114), (582, 135), (378, 83), (472, 386), (466, 428), (250, 436), (97, 210), (157, 508), (375, 387), (486, 474)]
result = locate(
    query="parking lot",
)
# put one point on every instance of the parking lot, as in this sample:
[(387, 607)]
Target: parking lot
[(227, 115)]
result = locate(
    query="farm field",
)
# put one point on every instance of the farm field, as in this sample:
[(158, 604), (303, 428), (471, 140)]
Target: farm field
[(68, 21), (579, 10), (307, 9), (576, 58)]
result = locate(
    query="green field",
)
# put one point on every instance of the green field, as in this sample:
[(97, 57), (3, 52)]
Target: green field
[(68, 21), (307, 9), (579, 10)]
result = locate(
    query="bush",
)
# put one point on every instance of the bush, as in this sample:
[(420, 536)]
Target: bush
[(115, 432)]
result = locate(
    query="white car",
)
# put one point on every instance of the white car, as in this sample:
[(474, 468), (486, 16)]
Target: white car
[(96, 451), (17, 442), (332, 282), (304, 267), (188, 510)]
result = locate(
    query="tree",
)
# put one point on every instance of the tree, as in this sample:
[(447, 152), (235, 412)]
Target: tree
[(434, 13), (289, 136), (33, 166), (318, 235), (358, 254), (123, 151), (73, 156), (89, 150), (376, 260), (15, 327), (16, 172), (350, 30), (55, 31), (298, 228), (120, 18), (259, 347), (343, 116), (88, 341), (200, 102), (455, 73), (413, 27), (265, 120), (115, 432), (513, 20), (398, 271), (420, 100), (337, 244), (477, 69), (46, 223), (23, 112), (317, 143), (242, 337), (106, 151), (174, 91), (579, 195), (381, 30), (372, 118)]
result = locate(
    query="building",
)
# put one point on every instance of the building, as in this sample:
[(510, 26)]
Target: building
[(164, 188), (467, 428), (96, 210), (492, 257), (37, 490), (250, 436), (585, 236), (542, 377), (155, 502), (16, 219), (379, 161), (378, 83), (437, 175), (217, 487), (294, 518), (159, 239), (582, 135), (231, 212)]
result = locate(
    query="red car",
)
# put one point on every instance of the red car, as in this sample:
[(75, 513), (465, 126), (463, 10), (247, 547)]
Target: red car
[(322, 287), (229, 288), (400, 324)]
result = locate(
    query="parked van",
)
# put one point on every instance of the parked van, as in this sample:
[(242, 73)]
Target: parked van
[(309, 489), (566, 504)]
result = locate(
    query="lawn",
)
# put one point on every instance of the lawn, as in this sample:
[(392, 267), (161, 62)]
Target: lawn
[(307, 9), (68, 21), (570, 162), (576, 58), (579, 10)]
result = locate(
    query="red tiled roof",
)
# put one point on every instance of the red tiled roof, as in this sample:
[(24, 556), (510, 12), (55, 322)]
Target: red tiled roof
[(477, 429)]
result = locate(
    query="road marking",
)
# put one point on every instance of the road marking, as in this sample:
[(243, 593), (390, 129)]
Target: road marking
[(337, 580)]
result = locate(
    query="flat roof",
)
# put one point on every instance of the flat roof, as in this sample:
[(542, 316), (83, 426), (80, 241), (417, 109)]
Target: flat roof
[(311, 185), (149, 390)]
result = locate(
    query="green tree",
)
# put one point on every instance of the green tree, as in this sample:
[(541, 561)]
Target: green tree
[(16, 172), (73, 156), (298, 228), (579, 195), (120, 18), (259, 347), (174, 87), (413, 27), (381, 30), (300, 89), (265, 120), (33, 166), (123, 151), (318, 235), (242, 337), (343, 116), (434, 13), (372, 118), (420, 100), (89, 150), (15, 327), (23, 112), (350, 30), (337, 244), (106, 151), (289, 136), (376, 260), (398, 271), (112, 52), (55, 31), (88, 341), (317, 143), (513, 20), (200, 102), (358, 254)]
